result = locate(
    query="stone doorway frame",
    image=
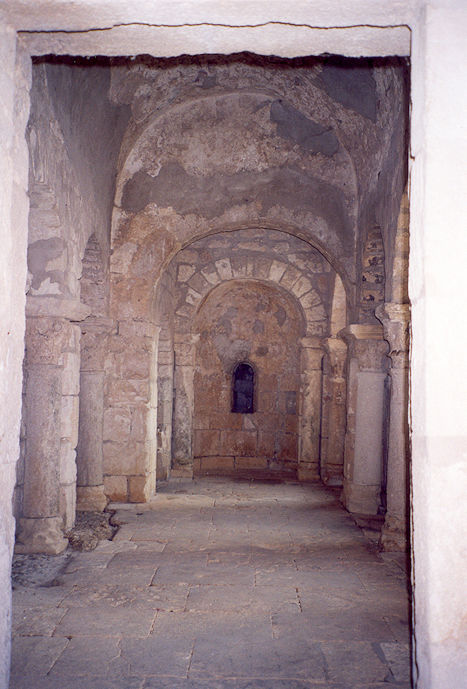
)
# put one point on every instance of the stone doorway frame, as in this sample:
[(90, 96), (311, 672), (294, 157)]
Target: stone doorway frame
[(434, 37)]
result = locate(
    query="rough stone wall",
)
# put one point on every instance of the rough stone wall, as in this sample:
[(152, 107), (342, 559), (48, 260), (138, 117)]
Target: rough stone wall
[(247, 321)]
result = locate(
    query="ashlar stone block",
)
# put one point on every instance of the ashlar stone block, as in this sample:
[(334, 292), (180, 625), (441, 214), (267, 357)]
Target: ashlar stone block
[(116, 488)]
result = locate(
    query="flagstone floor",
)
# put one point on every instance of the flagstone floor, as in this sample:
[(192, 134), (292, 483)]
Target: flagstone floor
[(220, 584)]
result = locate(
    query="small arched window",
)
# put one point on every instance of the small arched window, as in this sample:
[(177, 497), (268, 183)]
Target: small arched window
[(243, 389)]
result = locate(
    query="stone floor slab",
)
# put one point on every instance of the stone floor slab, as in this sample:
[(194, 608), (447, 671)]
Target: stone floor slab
[(35, 621), (158, 655), (220, 584), (91, 658), (34, 657), (106, 620)]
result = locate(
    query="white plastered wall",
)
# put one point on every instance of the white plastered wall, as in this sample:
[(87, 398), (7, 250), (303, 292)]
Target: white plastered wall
[(434, 31)]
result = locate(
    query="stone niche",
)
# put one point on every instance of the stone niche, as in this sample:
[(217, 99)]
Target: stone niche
[(247, 322)]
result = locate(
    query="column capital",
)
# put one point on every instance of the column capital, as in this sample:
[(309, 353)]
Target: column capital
[(311, 342), (366, 344), (186, 339), (56, 307), (337, 352), (98, 326), (48, 337), (396, 320)]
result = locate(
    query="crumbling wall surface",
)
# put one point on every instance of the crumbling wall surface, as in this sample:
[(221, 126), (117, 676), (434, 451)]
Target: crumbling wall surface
[(15, 78), (247, 321), (92, 128), (71, 175), (381, 198)]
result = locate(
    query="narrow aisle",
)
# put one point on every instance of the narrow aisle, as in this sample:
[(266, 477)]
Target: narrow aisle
[(220, 584)]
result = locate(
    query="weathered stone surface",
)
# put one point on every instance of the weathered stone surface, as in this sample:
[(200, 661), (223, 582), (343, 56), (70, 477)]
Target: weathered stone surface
[(116, 488), (91, 498), (41, 535)]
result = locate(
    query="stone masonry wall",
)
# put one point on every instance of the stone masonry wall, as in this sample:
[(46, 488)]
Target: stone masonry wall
[(247, 321)]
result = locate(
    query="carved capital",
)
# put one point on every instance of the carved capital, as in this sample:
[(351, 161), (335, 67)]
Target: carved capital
[(95, 334), (47, 339), (396, 321), (56, 307), (337, 352), (366, 344)]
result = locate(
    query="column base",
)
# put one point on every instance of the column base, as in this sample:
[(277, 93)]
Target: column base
[(394, 535), (332, 475), (42, 535), (308, 472), (360, 498), (91, 499), (182, 470)]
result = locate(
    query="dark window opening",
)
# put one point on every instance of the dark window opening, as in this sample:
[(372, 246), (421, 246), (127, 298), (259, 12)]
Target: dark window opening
[(243, 387)]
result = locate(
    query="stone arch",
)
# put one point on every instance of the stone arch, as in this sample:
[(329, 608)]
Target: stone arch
[(234, 256), (279, 272)]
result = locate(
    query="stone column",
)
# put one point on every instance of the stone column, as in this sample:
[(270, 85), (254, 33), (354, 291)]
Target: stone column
[(334, 414), (90, 482), (365, 417), (309, 408), (184, 369), (396, 319), (51, 421)]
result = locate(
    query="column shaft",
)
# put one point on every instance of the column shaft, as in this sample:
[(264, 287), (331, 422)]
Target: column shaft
[(51, 429), (184, 360), (89, 459), (364, 436), (334, 414), (310, 409), (396, 318)]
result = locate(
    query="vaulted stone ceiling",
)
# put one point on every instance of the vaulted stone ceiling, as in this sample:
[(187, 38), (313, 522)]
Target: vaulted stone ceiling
[(316, 147)]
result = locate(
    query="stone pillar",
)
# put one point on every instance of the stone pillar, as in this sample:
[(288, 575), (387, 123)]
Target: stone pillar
[(309, 408), (365, 417), (165, 386), (334, 414), (396, 319), (184, 369), (51, 420), (90, 483), (130, 412)]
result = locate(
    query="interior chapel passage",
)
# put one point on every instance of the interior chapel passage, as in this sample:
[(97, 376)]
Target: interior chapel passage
[(193, 218), (217, 288)]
